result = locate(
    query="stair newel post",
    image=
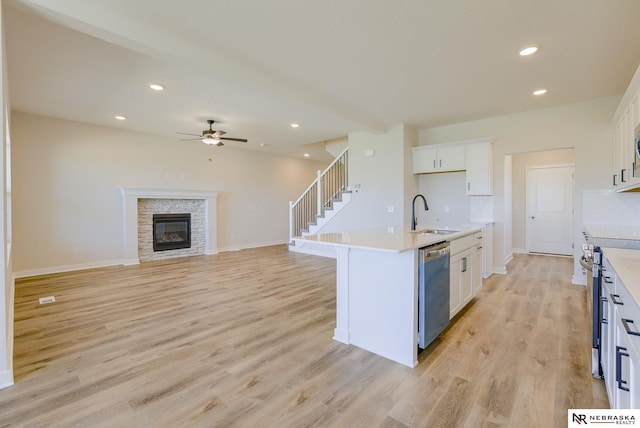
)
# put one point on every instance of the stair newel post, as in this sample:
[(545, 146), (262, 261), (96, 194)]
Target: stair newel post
[(319, 181), (290, 221)]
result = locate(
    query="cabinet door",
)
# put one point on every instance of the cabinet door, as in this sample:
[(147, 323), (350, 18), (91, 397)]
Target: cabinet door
[(479, 165), (466, 283), (450, 158), (622, 365), (424, 160), (607, 342), (455, 281), (476, 269)]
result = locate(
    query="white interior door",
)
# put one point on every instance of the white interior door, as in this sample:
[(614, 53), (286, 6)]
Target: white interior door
[(550, 209)]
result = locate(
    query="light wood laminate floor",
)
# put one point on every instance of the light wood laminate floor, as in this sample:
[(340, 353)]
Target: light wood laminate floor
[(244, 339)]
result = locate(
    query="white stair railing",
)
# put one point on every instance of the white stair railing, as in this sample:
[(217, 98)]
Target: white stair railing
[(320, 195)]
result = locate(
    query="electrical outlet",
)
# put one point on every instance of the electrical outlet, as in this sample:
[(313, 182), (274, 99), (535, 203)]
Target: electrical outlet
[(446, 208), (45, 300), (390, 208)]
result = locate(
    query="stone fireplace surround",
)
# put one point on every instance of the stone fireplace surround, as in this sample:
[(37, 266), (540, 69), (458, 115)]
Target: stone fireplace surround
[(130, 197)]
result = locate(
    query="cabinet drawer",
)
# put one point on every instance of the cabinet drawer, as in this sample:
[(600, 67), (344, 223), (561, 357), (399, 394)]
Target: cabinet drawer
[(458, 245), (478, 239)]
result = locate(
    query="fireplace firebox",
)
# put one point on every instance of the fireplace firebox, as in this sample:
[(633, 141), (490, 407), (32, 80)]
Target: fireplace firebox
[(171, 231)]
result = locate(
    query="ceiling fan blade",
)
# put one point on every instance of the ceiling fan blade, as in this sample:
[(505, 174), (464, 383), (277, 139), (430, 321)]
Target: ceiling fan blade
[(190, 139), (185, 133), (241, 140)]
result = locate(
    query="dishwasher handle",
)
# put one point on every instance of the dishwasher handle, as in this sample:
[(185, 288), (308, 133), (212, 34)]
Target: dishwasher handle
[(434, 251)]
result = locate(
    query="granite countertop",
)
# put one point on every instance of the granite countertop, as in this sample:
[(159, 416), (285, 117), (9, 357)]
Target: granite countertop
[(393, 239)]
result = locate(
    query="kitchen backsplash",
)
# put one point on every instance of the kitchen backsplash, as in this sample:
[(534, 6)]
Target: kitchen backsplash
[(609, 207)]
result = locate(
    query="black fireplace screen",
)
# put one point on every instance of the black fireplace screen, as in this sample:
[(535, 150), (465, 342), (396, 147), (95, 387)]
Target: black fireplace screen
[(171, 231)]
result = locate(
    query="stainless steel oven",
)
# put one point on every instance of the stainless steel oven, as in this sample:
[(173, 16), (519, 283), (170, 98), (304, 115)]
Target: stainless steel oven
[(591, 262)]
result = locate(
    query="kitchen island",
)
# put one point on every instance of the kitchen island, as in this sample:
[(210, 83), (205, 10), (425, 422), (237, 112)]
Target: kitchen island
[(377, 286)]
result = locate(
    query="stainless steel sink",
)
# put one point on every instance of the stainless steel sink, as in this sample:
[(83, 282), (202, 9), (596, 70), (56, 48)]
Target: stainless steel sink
[(436, 231)]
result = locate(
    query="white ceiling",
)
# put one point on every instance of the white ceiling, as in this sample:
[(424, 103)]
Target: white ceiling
[(334, 66)]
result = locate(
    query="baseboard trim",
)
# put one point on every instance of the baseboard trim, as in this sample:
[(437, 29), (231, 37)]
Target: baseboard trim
[(341, 335), (125, 262), (500, 270), (6, 378), (520, 250), (68, 268), (246, 247)]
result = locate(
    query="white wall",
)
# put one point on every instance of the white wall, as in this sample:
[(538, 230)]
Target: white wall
[(447, 197), (6, 272), (385, 179), (584, 126), (66, 176)]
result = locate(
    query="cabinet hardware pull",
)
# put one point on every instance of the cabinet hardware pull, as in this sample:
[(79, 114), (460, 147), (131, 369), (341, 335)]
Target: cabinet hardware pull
[(434, 165), (614, 179), (464, 264), (607, 279), (625, 323), (616, 301), (480, 247), (440, 163), (619, 355), (468, 185), (622, 179)]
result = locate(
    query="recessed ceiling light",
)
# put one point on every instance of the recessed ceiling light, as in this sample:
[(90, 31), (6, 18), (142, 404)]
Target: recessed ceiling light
[(306, 155), (156, 87), (263, 144), (539, 92), (295, 125), (528, 50), (120, 117)]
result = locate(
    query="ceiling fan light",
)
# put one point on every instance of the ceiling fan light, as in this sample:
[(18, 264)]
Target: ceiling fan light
[(210, 139)]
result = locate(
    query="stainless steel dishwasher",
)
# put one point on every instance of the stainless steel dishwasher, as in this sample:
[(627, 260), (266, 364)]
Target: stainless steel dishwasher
[(433, 292)]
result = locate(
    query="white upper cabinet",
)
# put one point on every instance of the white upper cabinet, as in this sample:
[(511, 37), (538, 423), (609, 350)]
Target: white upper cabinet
[(479, 162), (441, 159), (474, 156), (625, 122)]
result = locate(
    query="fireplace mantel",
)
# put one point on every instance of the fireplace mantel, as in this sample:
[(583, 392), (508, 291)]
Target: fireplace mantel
[(130, 196)]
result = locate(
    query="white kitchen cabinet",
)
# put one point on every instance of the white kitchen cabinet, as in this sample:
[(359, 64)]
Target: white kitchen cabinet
[(474, 156), (477, 262), (479, 166), (619, 340), (624, 123), (428, 159), (461, 283), (465, 280)]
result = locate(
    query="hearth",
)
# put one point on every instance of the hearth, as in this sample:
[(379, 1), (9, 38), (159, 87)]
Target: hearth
[(171, 231)]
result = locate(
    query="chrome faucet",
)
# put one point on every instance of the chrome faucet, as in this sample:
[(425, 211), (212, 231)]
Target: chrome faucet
[(414, 220)]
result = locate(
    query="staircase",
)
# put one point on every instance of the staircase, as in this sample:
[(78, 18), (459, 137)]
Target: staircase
[(322, 200)]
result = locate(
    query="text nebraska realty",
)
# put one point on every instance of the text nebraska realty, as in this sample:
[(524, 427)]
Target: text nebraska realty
[(611, 419)]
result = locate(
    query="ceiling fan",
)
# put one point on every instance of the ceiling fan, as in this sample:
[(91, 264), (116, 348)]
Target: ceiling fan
[(212, 136)]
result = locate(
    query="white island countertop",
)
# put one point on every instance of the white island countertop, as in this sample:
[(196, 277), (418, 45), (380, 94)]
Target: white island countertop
[(393, 239)]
